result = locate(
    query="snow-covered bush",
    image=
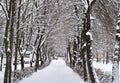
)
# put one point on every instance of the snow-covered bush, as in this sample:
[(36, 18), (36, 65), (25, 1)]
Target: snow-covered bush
[(103, 76), (20, 74)]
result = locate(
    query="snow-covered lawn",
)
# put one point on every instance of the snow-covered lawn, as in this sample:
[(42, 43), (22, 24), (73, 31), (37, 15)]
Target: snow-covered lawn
[(2, 72), (1, 76), (56, 72), (107, 68), (103, 67)]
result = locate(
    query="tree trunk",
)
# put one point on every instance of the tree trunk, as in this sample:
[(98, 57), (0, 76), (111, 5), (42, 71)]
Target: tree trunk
[(89, 60), (6, 47), (70, 55), (37, 60), (11, 38), (1, 61), (17, 35), (83, 49), (107, 57), (38, 53), (22, 62), (8, 51), (115, 67)]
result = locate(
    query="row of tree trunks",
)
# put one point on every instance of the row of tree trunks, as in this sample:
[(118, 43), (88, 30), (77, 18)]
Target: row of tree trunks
[(86, 41)]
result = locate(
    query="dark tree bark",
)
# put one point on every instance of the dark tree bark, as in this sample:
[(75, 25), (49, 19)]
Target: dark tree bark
[(83, 49), (70, 55), (88, 43), (1, 60), (89, 60), (13, 2), (22, 62), (17, 35), (74, 53), (6, 46), (107, 57), (37, 57), (38, 54), (9, 49)]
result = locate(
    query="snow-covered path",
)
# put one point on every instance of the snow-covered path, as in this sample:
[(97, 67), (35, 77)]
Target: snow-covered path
[(56, 72)]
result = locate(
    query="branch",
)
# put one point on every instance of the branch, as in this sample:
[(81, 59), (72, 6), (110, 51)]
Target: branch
[(88, 2), (90, 6), (4, 11), (47, 34), (6, 2)]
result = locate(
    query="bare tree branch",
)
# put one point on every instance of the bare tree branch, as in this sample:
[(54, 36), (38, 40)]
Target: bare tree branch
[(4, 11), (90, 6)]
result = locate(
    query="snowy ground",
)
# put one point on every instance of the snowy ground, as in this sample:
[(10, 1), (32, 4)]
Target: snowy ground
[(2, 72), (103, 67), (56, 72), (1, 76)]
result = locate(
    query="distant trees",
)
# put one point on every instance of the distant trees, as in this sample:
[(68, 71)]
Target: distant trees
[(103, 29)]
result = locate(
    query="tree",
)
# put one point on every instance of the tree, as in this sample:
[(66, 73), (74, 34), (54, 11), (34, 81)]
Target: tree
[(17, 35), (89, 72), (115, 67), (9, 43)]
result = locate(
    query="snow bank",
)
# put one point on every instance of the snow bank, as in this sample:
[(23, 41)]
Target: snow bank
[(26, 72), (20, 74), (103, 71), (103, 76)]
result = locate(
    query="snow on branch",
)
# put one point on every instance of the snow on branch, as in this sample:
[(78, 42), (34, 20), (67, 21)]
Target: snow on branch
[(117, 27), (116, 46), (23, 52), (77, 52), (85, 4), (47, 34), (8, 50), (89, 34), (118, 22), (91, 17), (118, 35), (84, 45)]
